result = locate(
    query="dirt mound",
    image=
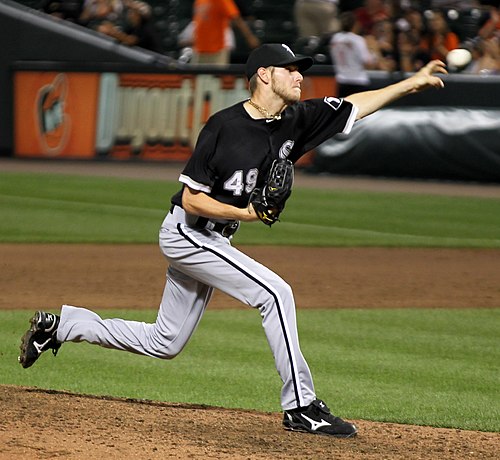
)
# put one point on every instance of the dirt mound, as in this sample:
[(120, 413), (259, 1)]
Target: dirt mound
[(38, 424)]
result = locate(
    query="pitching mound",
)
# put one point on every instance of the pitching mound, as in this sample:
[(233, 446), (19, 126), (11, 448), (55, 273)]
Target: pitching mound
[(37, 424)]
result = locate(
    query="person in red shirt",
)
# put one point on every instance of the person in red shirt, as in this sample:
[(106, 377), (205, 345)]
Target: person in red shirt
[(372, 12), (211, 20)]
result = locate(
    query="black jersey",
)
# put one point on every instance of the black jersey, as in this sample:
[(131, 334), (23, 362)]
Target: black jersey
[(234, 152)]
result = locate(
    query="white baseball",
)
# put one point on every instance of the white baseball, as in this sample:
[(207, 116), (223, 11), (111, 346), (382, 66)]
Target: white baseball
[(458, 57)]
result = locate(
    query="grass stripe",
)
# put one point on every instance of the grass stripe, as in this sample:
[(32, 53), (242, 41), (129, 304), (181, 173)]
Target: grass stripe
[(59, 208), (340, 231), (423, 239), (28, 200)]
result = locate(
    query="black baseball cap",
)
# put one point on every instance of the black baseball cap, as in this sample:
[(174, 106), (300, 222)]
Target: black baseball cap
[(277, 55)]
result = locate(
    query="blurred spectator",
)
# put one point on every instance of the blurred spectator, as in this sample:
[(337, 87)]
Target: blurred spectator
[(491, 27), (316, 18), (186, 36), (410, 29), (372, 12), (456, 4), (139, 23), (211, 19), (439, 39), (414, 23), (98, 11), (69, 10), (382, 43), (127, 21), (410, 56), (485, 56), (351, 57)]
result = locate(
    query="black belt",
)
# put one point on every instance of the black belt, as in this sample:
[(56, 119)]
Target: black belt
[(226, 229)]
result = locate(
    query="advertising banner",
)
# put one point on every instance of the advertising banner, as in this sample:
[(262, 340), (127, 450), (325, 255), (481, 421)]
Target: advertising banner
[(55, 114), (124, 115)]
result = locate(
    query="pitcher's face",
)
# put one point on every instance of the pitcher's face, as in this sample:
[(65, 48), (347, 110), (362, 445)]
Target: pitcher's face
[(285, 83)]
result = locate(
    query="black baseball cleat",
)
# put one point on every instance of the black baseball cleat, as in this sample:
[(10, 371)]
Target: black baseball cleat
[(40, 337), (316, 418)]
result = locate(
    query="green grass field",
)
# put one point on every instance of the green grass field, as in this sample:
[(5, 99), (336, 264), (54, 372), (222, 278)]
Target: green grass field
[(57, 208), (425, 366)]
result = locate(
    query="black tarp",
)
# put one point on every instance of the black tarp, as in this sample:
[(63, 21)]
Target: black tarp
[(434, 143)]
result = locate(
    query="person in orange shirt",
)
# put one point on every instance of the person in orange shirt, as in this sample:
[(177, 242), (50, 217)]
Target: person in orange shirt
[(211, 19), (440, 39)]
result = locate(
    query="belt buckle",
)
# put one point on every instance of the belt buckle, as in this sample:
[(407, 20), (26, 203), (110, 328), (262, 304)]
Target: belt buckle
[(230, 229)]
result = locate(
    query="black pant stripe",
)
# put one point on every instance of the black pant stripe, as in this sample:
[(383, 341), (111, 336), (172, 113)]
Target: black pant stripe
[(248, 275)]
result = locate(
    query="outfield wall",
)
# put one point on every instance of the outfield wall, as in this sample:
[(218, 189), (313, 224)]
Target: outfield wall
[(93, 112), (122, 112)]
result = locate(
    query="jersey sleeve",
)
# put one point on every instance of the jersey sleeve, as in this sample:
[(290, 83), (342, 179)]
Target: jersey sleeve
[(230, 9), (323, 118), (197, 173)]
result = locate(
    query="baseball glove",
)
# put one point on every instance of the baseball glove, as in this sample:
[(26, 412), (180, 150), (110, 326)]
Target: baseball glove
[(269, 201)]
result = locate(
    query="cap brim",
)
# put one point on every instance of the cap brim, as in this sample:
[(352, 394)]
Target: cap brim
[(302, 62), (255, 61)]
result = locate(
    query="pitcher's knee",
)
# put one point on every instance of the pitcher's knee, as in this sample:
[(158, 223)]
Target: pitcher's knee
[(284, 290), (279, 292), (287, 291), (165, 350)]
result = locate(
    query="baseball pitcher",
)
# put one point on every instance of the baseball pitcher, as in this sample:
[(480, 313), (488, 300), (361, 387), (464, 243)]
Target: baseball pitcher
[(241, 170)]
